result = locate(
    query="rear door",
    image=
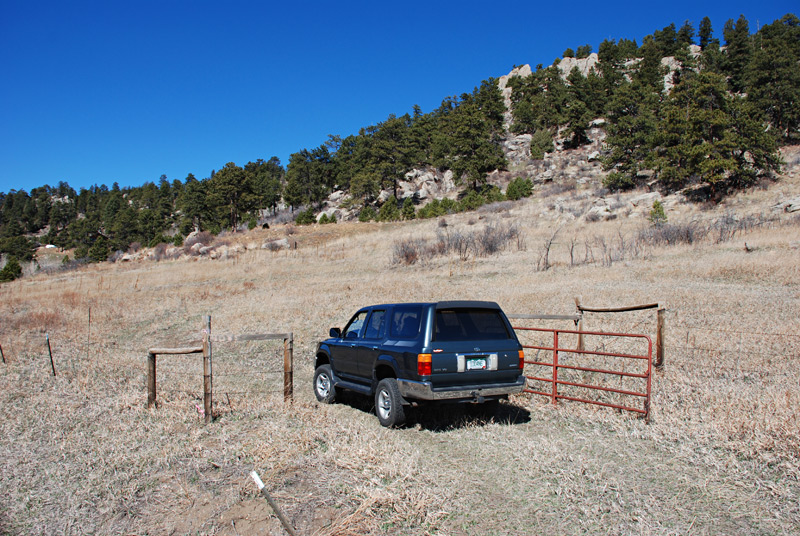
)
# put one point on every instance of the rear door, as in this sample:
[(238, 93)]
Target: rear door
[(370, 347)]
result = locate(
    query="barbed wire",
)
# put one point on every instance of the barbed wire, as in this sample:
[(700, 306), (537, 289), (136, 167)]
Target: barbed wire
[(718, 330), (726, 351)]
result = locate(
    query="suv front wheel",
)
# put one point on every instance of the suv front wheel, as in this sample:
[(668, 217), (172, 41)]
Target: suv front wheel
[(323, 384), (389, 403)]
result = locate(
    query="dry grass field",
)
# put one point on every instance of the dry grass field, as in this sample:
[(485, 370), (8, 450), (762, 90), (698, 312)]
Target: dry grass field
[(81, 454)]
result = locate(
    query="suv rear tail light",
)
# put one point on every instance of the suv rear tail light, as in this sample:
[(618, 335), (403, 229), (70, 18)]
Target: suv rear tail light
[(521, 359), (424, 367)]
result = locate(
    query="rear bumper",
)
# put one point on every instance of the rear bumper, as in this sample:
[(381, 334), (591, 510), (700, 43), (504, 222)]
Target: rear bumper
[(425, 390)]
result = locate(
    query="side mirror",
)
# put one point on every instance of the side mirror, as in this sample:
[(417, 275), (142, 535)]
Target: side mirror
[(336, 333)]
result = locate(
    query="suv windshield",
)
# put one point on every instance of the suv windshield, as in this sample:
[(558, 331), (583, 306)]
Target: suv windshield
[(469, 324)]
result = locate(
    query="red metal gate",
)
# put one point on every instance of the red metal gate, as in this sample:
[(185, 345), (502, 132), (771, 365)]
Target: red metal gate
[(577, 356)]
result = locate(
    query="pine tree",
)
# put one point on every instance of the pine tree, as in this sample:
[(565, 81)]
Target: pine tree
[(738, 52), (706, 33), (632, 127)]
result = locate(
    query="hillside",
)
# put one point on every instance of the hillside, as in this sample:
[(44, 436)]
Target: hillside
[(681, 110), (80, 453)]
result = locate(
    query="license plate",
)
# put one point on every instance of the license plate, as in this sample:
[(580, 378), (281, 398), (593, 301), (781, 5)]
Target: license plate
[(476, 364)]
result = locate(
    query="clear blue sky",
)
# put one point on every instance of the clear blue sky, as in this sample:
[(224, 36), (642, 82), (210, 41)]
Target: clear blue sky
[(107, 91)]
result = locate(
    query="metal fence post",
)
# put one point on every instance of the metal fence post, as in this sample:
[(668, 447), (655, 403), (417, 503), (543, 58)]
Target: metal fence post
[(50, 351), (555, 366)]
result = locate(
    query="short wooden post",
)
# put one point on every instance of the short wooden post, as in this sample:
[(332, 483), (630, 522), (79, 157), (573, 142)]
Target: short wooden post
[(50, 351), (207, 371), (2, 354), (659, 360), (288, 368), (151, 379), (580, 323)]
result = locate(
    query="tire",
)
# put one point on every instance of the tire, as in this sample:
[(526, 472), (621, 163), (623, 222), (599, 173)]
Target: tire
[(389, 404), (323, 384)]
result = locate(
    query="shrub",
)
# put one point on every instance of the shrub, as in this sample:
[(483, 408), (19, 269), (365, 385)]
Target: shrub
[(541, 143), (472, 201), (323, 219), (432, 210), (306, 217), (82, 252), (657, 215), (671, 234), (178, 240), (519, 188), (160, 252), (11, 270), (389, 210), (615, 181), (408, 209), (366, 214), (408, 251), (493, 194)]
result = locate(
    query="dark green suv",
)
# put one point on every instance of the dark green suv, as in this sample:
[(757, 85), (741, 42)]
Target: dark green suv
[(407, 354)]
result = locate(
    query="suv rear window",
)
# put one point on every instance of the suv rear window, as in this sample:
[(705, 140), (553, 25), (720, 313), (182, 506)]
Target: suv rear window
[(469, 324)]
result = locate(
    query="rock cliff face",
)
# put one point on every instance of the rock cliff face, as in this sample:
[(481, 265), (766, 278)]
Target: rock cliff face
[(579, 167)]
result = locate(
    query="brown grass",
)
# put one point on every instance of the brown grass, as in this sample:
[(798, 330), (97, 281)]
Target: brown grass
[(79, 453)]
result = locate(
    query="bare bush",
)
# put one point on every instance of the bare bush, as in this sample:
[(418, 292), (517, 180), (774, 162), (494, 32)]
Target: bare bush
[(480, 243), (499, 206), (408, 251), (160, 252), (670, 234)]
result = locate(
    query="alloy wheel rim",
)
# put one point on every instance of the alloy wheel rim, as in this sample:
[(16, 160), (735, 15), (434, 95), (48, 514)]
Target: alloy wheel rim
[(323, 385), (384, 404)]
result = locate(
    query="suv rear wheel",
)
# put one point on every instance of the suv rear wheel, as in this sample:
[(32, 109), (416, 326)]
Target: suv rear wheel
[(323, 384), (389, 403)]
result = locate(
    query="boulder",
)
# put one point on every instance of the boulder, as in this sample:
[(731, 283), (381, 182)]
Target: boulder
[(645, 200), (790, 205), (275, 245)]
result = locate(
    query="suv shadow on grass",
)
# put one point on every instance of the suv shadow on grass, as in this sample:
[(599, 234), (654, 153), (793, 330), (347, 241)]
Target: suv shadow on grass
[(446, 417)]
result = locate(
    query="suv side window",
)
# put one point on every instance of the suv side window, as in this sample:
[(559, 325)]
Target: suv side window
[(375, 325), (405, 322), (353, 329)]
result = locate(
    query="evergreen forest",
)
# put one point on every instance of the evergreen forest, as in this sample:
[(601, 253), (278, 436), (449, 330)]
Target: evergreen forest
[(717, 120)]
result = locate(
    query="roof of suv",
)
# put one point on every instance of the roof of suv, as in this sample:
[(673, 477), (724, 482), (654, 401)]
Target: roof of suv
[(453, 304)]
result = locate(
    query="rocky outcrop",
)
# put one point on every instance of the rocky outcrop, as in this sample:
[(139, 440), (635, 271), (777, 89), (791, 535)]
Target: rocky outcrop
[(584, 65), (789, 205)]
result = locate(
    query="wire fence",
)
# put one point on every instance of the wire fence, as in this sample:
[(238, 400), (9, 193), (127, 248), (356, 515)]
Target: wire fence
[(247, 375)]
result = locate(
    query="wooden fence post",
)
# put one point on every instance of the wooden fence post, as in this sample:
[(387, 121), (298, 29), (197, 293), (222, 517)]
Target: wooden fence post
[(207, 371), (50, 351), (2, 354), (151, 379), (288, 368), (659, 361)]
